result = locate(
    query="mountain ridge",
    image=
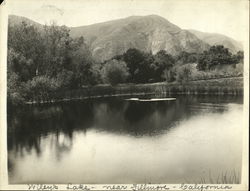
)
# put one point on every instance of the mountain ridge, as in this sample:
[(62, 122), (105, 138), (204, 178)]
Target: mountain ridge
[(147, 33), (15, 20), (218, 39), (150, 33)]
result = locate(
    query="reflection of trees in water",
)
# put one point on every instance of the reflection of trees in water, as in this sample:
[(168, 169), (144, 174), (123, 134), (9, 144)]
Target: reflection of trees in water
[(137, 118), (28, 126), (152, 118), (11, 167), (61, 144)]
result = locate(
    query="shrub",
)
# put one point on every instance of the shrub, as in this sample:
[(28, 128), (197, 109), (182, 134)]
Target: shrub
[(14, 89), (41, 87), (114, 72), (183, 74), (169, 75)]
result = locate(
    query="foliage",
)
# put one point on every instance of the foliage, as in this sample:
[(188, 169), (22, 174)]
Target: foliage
[(225, 71), (216, 55), (134, 59), (27, 43), (183, 74), (185, 57), (19, 65), (169, 75), (45, 60), (64, 79), (41, 87), (114, 72), (163, 62), (146, 67), (37, 56), (15, 95), (239, 56)]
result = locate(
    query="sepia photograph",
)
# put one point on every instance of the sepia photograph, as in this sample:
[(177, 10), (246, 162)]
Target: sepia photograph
[(124, 92)]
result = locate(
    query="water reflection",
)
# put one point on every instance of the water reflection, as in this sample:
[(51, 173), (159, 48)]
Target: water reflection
[(27, 125), (53, 130)]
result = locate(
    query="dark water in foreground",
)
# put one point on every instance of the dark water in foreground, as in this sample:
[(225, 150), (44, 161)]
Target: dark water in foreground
[(118, 141)]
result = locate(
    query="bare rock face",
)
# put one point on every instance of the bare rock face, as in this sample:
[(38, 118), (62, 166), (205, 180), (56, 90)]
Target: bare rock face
[(147, 33)]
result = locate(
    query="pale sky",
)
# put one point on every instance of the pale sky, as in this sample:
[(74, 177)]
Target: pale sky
[(227, 17)]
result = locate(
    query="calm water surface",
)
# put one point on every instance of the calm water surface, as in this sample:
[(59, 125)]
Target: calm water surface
[(119, 141)]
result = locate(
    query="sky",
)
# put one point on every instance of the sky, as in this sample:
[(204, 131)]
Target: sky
[(227, 17)]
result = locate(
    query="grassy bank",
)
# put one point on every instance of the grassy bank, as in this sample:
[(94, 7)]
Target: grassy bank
[(222, 86)]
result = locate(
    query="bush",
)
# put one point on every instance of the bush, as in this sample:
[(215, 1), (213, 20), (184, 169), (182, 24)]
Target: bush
[(216, 56), (41, 88), (183, 74), (169, 75), (114, 72), (64, 79), (14, 89)]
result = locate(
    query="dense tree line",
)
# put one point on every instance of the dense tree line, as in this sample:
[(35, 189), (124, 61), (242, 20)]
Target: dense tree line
[(42, 61), (146, 67), (218, 55)]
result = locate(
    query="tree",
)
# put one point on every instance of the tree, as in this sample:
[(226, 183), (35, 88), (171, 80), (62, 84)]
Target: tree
[(58, 45), (239, 57), (26, 40), (144, 72), (134, 58), (216, 55), (64, 79), (19, 65), (185, 57), (183, 73), (114, 72), (38, 56), (162, 62), (82, 63), (140, 64), (15, 93), (169, 75), (41, 88)]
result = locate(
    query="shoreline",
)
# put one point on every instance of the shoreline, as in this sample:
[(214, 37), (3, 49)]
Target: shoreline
[(217, 87)]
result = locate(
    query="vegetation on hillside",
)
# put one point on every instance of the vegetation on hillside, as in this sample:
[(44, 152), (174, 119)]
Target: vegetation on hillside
[(44, 61)]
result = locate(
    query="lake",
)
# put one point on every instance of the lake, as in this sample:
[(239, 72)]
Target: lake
[(192, 139)]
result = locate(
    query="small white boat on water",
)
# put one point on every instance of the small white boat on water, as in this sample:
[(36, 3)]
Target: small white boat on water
[(133, 99), (151, 100)]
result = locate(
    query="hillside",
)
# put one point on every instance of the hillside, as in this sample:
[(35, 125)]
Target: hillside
[(146, 33), (218, 39), (44, 63), (17, 20)]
